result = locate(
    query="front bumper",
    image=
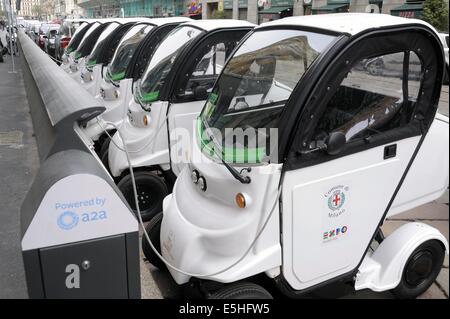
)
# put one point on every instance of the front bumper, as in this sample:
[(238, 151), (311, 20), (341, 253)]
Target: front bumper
[(142, 149), (195, 245)]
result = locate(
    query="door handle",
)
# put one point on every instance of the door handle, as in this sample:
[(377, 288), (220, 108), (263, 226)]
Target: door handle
[(390, 151)]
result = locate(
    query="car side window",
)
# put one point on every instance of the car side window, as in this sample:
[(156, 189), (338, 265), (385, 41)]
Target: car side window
[(203, 67), (378, 94), (209, 66)]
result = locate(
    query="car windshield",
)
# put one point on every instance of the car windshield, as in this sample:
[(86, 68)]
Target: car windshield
[(77, 36), (87, 35), (52, 33), (126, 49), (96, 51), (162, 61), (252, 91)]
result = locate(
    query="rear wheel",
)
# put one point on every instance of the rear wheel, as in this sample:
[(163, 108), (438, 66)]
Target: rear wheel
[(151, 190), (421, 270), (241, 290), (153, 229)]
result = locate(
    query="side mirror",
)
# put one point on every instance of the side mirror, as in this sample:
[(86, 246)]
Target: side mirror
[(335, 143), (200, 93)]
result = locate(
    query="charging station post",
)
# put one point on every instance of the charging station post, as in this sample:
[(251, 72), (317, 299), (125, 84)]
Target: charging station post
[(79, 237)]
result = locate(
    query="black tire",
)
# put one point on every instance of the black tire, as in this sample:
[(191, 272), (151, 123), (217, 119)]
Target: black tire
[(151, 191), (103, 154), (153, 229), (421, 270), (241, 290)]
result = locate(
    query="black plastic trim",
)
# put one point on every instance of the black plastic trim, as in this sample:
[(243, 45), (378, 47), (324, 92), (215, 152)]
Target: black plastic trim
[(167, 91), (314, 105), (154, 37)]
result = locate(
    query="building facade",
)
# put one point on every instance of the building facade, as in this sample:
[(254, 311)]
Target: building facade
[(67, 9), (133, 8), (28, 8), (258, 11)]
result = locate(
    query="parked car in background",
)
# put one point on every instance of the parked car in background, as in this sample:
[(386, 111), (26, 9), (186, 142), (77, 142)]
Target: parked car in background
[(42, 31), (34, 31), (49, 40)]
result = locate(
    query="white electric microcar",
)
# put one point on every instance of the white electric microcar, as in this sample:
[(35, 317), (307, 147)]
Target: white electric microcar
[(93, 68), (127, 65), (338, 149), (168, 97), (91, 45), (74, 43), (82, 40)]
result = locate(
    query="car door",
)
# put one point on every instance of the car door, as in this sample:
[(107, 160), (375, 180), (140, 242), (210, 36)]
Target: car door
[(204, 66), (375, 94)]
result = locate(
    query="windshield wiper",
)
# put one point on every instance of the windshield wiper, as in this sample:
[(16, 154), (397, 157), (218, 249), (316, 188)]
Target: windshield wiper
[(241, 178)]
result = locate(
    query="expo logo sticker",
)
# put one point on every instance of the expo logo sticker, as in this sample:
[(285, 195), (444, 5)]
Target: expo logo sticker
[(68, 219), (334, 233)]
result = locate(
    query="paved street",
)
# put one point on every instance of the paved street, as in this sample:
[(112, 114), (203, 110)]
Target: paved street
[(19, 163)]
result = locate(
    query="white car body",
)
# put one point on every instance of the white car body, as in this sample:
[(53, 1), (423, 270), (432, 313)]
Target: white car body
[(210, 226)]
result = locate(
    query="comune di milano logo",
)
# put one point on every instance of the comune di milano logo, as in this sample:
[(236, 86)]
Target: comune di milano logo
[(67, 220)]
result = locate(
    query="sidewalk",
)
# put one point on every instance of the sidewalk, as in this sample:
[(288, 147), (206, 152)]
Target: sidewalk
[(18, 165)]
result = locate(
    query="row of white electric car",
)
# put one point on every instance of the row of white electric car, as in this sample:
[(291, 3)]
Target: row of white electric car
[(274, 150)]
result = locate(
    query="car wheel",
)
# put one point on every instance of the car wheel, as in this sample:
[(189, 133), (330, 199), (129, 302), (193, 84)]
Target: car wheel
[(151, 190), (421, 270), (153, 229), (241, 290)]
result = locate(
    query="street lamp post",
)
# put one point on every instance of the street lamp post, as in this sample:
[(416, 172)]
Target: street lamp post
[(11, 30)]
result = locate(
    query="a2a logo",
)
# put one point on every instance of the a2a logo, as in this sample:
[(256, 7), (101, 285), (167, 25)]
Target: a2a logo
[(93, 216), (69, 219), (73, 277)]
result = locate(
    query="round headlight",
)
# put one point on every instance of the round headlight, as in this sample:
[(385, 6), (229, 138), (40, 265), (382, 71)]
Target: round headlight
[(202, 183), (195, 175)]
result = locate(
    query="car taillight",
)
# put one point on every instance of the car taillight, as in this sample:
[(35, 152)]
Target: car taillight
[(64, 42)]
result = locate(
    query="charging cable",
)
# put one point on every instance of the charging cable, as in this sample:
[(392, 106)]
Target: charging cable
[(258, 234), (54, 59)]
